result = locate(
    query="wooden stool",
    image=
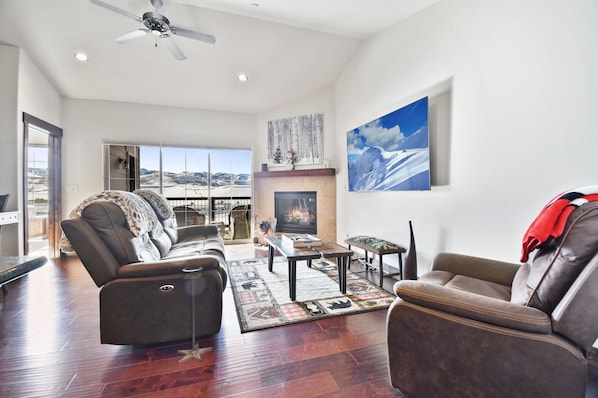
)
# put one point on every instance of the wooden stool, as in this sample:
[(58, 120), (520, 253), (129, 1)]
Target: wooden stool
[(379, 247)]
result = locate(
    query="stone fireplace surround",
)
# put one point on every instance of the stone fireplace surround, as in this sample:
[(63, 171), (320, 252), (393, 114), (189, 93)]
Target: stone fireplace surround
[(323, 181)]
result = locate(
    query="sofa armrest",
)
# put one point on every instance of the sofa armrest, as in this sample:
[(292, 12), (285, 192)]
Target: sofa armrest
[(473, 306), (204, 231), (476, 267), (169, 266), (91, 250)]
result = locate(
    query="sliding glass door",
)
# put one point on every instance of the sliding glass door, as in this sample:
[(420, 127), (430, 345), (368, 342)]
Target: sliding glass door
[(230, 177), (204, 186), (41, 187)]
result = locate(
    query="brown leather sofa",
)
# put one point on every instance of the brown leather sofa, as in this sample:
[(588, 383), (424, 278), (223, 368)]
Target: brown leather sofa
[(145, 274), (474, 327)]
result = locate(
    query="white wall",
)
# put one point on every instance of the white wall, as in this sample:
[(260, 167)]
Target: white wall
[(89, 123), (9, 67), (24, 89), (523, 93)]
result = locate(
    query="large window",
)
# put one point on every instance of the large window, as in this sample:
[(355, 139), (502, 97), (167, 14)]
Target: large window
[(204, 186)]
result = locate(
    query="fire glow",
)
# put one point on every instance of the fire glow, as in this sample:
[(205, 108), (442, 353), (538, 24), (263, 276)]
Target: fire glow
[(299, 215), (296, 212)]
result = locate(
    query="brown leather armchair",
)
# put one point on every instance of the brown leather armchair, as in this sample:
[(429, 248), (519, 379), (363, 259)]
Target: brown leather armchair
[(145, 277), (474, 327)]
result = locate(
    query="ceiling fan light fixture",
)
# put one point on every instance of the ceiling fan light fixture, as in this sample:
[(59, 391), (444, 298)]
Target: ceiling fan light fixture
[(158, 25), (81, 56)]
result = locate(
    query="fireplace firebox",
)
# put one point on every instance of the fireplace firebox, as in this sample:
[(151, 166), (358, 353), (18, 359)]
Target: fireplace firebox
[(296, 212)]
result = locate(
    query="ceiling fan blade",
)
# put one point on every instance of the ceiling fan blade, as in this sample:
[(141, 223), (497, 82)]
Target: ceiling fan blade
[(131, 35), (120, 11), (172, 47), (192, 34)]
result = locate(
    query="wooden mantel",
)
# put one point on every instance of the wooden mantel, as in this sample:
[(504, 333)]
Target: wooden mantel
[(296, 173)]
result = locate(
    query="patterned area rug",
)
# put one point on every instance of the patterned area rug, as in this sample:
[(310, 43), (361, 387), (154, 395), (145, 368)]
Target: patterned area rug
[(262, 297)]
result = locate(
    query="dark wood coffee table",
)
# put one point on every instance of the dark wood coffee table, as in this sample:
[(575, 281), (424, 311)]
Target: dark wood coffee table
[(327, 250)]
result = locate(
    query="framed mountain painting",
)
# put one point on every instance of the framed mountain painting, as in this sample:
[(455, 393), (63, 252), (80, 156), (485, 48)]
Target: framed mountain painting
[(391, 153)]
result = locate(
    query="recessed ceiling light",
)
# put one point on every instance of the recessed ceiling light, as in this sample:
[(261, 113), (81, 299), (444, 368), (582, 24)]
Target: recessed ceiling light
[(81, 56), (243, 77)]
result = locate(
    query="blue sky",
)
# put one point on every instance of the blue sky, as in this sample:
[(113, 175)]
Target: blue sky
[(410, 118), (389, 129), (194, 160)]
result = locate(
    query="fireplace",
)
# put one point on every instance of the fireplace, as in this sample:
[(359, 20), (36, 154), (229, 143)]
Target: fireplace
[(296, 212)]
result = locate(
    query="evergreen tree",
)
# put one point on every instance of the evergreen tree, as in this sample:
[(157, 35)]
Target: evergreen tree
[(277, 155)]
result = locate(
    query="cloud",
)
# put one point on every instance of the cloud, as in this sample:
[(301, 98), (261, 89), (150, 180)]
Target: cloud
[(355, 143), (377, 135)]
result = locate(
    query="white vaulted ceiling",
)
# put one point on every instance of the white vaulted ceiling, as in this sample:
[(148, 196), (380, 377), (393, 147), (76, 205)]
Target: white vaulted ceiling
[(288, 48)]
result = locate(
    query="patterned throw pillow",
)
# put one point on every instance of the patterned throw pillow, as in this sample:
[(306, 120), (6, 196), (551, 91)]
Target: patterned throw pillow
[(158, 203)]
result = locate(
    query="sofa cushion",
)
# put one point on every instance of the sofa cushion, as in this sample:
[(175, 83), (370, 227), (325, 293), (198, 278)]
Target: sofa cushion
[(194, 233), (163, 211), (161, 240), (558, 262), (158, 203), (436, 277), (110, 223), (519, 291), (170, 227), (481, 287)]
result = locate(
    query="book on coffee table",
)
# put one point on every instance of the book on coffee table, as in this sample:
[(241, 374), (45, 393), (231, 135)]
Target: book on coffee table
[(301, 241)]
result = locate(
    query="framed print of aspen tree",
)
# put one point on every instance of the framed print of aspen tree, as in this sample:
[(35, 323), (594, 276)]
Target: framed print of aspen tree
[(299, 135)]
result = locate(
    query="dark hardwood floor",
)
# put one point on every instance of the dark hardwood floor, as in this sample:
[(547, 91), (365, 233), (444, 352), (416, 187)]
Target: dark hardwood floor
[(49, 339)]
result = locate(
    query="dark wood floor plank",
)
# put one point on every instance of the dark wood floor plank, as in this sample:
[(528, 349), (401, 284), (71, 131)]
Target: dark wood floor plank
[(368, 367), (296, 370), (50, 347), (309, 386), (378, 388)]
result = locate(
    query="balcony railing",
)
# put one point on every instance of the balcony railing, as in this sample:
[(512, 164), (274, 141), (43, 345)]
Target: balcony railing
[(221, 211)]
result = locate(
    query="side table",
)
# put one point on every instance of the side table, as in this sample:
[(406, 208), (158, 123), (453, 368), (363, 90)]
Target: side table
[(12, 268), (380, 247)]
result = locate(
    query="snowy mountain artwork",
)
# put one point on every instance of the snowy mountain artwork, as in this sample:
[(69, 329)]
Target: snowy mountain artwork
[(391, 153)]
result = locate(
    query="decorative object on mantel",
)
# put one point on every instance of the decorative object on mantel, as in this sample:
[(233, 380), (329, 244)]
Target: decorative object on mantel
[(290, 160), (300, 136), (279, 165), (277, 157), (319, 172)]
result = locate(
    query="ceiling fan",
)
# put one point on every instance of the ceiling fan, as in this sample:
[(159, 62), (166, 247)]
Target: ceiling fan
[(157, 24)]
